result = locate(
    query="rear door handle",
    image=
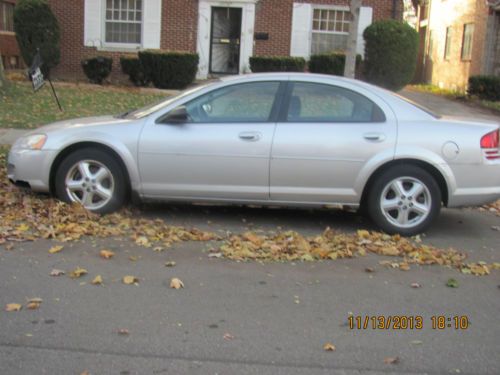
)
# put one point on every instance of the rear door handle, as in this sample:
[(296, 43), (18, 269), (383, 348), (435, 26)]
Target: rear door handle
[(374, 137), (250, 136)]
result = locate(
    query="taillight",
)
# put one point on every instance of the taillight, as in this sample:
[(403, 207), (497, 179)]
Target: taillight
[(490, 140)]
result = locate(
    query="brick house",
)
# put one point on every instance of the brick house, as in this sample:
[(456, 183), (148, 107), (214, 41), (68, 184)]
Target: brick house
[(225, 33), (458, 39), (9, 51)]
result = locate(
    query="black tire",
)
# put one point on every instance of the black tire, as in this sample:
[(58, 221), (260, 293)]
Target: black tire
[(119, 181), (385, 219)]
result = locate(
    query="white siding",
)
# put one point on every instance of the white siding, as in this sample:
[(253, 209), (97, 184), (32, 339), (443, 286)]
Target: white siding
[(365, 20), (301, 30)]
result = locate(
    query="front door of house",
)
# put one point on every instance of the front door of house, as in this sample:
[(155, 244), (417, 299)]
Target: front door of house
[(225, 40)]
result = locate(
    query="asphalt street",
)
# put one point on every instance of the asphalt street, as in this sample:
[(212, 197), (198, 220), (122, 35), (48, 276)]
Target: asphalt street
[(247, 317)]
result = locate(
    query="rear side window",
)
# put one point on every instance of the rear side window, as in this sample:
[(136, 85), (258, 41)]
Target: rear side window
[(315, 102)]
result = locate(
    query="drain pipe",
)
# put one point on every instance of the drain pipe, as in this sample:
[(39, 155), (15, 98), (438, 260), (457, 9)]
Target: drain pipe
[(394, 4)]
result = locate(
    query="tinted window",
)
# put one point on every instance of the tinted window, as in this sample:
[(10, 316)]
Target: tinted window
[(313, 102), (249, 102)]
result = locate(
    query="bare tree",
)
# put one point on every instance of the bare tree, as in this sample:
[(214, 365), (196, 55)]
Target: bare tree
[(350, 60)]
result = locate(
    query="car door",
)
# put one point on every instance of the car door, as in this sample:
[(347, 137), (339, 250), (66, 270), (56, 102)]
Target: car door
[(325, 137), (222, 151)]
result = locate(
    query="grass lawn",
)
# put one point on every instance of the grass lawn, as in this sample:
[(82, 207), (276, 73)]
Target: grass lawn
[(20, 107)]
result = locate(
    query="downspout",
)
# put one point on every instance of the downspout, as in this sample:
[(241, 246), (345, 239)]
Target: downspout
[(394, 5)]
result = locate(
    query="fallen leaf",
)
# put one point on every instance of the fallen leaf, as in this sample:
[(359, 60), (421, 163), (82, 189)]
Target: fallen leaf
[(13, 307), (97, 280), (34, 303), (78, 272), (56, 272), (128, 280), (123, 331), (415, 285), (176, 283), (55, 249), (369, 270), (170, 264), (228, 336), (329, 347), (391, 360), (106, 254), (452, 283), (158, 249), (85, 373), (416, 342)]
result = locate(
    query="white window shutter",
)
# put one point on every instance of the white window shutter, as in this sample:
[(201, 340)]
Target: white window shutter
[(92, 23), (151, 24), (365, 20), (301, 30)]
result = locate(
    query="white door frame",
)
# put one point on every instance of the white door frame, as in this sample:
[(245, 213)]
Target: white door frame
[(205, 27)]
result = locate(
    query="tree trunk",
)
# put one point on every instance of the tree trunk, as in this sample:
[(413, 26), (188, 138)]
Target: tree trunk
[(2, 75), (350, 59)]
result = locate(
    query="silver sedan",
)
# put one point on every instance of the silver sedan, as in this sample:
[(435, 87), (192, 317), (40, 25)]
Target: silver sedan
[(280, 139)]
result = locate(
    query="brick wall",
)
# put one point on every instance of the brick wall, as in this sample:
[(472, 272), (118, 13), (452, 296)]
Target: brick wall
[(277, 21), (179, 29), (453, 73), (9, 48)]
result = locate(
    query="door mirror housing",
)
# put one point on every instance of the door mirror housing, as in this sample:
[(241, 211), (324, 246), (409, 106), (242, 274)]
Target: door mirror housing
[(176, 116)]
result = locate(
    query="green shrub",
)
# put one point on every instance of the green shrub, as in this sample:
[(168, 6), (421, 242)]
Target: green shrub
[(37, 27), (97, 69), (330, 63), (169, 70), (277, 64), (485, 87), (132, 67), (390, 53)]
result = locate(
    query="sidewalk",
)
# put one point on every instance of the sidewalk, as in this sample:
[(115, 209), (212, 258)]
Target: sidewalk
[(8, 136)]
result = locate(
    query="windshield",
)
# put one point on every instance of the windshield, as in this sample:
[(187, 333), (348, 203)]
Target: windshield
[(156, 106)]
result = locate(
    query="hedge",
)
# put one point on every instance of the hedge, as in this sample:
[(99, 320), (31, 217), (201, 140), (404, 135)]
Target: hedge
[(390, 53), (277, 64), (97, 69), (330, 63), (485, 87), (37, 27), (132, 67), (169, 70)]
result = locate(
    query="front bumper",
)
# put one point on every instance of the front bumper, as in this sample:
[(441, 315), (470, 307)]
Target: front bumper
[(30, 168)]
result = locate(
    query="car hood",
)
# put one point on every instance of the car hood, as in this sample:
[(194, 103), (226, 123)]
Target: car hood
[(96, 121)]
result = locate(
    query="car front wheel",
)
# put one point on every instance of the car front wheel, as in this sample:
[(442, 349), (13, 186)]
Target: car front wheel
[(404, 199), (92, 178)]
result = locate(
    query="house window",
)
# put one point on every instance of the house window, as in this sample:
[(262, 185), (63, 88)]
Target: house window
[(447, 44), (467, 41), (123, 21), (6, 16), (330, 30)]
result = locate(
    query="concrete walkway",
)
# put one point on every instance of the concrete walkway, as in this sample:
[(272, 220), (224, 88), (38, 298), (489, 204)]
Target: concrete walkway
[(436, 103)]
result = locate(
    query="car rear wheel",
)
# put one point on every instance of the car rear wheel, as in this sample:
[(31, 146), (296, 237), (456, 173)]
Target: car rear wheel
[(404, 199), (92, 178)]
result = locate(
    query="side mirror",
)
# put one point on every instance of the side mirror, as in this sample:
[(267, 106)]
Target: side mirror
[(176, 116)]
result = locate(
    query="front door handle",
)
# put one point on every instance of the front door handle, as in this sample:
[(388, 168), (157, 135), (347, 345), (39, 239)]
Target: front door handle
[(250, 136), (374, 137)]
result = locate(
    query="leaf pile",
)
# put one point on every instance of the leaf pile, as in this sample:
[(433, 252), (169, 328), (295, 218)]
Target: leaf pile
[(292, 246), (492, 207), (25, 216)]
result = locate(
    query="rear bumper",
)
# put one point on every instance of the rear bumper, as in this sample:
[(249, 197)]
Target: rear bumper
[(30, 168), (475, 185)]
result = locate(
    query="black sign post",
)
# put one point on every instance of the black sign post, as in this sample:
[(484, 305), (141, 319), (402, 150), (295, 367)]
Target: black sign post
[(37, 78)]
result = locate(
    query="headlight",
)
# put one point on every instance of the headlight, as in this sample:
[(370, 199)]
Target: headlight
[(31, 142)]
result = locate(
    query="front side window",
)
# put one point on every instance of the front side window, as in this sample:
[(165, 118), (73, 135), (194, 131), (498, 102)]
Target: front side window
[(249, 102), (313, 102), (330, 30), (123, 21), (6, 16), (467, 41)]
